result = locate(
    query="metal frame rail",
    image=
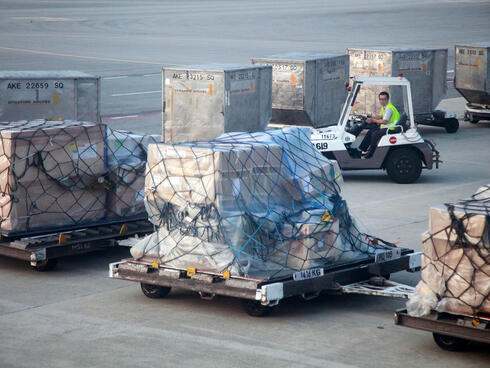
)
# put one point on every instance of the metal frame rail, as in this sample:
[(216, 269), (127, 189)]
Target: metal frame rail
[(473, 328), (55, 244), (267, 292)]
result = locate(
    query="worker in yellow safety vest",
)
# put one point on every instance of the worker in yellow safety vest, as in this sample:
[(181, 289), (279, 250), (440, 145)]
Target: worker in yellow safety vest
[(387, 120)]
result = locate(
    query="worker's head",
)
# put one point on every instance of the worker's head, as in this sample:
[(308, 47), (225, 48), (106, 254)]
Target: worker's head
[(384, 97)]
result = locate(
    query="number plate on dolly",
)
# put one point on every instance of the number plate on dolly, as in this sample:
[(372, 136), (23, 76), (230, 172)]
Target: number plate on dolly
[(388, 255), (308, 274)]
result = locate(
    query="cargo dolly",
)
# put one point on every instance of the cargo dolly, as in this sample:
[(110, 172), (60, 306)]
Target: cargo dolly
[(368, 276), (43, 248), (451, 332), (474, 112)]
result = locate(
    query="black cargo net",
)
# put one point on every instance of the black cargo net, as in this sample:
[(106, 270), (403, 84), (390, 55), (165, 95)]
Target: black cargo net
[(58, 174), (456, 259), (252, 204)]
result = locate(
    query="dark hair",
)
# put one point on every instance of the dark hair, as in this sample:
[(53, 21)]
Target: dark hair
[(385, 94)]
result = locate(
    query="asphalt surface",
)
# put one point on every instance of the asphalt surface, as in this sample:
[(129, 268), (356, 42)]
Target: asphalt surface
[(77, 316)]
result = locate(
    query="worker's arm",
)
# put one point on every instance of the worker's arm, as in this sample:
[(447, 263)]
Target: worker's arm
[(377, 121), (381, 120)]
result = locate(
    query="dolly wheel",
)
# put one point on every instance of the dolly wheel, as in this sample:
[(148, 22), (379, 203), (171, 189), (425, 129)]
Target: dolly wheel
[(255, 309), (46, 265), (450, 343), (404, 165), (155, 291), (452, 125), (474, 119)]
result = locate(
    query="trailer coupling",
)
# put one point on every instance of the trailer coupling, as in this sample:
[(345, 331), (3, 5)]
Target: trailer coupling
[(435, 153)]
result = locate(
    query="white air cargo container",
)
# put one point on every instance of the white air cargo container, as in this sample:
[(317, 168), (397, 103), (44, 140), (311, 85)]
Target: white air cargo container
[(307, 88), (51, 95), (472, 72), (425, 68), (204, 101)]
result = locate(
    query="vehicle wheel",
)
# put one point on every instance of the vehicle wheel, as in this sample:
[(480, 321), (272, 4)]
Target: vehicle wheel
[(404, 165), (452, 125), (46, 265), (155, 291), (450, 343), (473, 119), (255, 309)]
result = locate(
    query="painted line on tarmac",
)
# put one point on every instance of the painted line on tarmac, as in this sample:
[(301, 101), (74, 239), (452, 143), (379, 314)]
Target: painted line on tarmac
[(117, 77), (135, 93), (85, 57), (123, 117), (129, 117), (150, 75)]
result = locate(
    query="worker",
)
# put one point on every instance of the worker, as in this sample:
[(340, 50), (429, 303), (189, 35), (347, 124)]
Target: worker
[(387, 120)]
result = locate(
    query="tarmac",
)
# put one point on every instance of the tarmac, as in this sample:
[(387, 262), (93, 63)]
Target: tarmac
[(75, 316)]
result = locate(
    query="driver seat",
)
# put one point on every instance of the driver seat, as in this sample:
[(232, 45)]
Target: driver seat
[(403, 122)]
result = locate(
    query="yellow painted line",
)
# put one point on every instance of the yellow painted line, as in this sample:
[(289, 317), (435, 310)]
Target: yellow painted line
[(85, 57)]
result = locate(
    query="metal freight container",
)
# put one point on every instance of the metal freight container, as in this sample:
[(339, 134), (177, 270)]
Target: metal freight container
[(472, 72), (425, 68), (307, 89), (61, 95), (202, 102)]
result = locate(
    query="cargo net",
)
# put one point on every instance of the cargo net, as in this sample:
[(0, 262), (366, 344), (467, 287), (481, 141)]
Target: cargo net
[(253, 204), (66, 173), (456, 259)]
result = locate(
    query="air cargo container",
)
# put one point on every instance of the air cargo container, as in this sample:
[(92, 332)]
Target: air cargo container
[(50, 95), (307, 88), (201, 102), (472, 79), (425, 68)]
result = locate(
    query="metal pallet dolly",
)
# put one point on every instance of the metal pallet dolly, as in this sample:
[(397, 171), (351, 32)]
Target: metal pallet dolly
[(259, 295), (451, 332), (43, 248)]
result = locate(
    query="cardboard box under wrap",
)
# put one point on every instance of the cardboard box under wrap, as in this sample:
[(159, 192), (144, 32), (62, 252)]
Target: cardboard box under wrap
[(308, 243), (127, 199), (62, 150), (216, 174), (50, 173), (127, 155), (456, 259), (460, 276), (473, 225), (315, 182)]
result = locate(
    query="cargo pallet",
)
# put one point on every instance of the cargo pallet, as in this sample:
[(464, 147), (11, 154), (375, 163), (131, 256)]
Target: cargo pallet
[(259, 295), (43, 248), (451, 332)]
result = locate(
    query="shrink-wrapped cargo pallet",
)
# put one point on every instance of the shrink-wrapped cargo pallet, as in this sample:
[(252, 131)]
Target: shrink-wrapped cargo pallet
[(50, 173), (126, 160), (256, 204), (64, 173), (456, 259)]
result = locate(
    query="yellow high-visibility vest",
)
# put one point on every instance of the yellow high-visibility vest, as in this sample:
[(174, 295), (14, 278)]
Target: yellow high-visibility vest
[(394, 117)]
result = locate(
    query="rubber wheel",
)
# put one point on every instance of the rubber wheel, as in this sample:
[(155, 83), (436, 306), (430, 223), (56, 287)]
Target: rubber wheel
[(404, 165), (155, 291), (474, 120), (450, 343), (452, 125), (46, 265), (255, 309)]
